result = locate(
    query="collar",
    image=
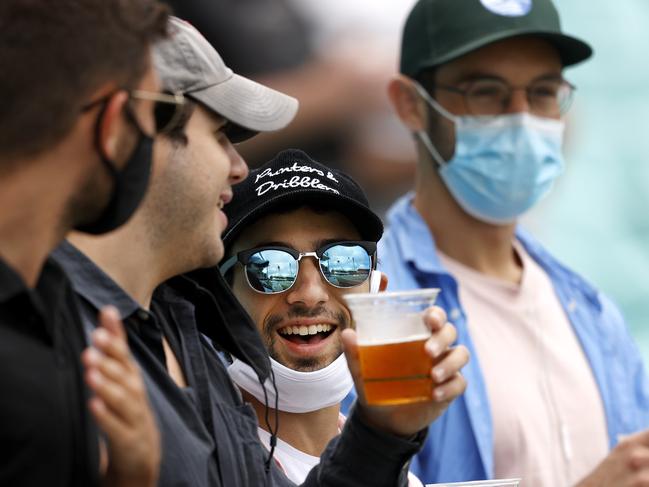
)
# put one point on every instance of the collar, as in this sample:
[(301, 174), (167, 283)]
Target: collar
[(11, 284), (421, 253), (559, 273), (221, 318), (49, 285), (91, 283)]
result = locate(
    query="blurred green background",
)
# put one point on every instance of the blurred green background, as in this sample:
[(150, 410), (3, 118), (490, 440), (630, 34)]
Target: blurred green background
[(597, 218)]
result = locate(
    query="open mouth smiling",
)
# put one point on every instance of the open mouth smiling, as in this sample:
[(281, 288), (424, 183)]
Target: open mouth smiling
[(306, 334)]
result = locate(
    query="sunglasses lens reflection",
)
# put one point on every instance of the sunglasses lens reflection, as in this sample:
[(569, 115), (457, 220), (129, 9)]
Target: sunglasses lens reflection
[(271, 271), (346, 265), (274, 271)]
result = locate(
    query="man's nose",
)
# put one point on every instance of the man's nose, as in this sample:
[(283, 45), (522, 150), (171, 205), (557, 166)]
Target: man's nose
[(518, 102), (310, 287), (238, 166)]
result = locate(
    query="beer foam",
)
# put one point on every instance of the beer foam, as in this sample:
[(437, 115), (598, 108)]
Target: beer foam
[(378, 325), (393, 341)]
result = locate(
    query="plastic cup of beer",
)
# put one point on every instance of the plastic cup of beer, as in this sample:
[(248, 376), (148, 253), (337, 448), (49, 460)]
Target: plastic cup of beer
[(395, 367)]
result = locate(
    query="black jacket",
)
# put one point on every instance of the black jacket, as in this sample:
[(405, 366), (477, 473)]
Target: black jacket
[(209, 434)]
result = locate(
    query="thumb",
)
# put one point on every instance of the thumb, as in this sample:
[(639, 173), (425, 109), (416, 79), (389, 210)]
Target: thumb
[(109, 319), (641, 438), (350, 346)]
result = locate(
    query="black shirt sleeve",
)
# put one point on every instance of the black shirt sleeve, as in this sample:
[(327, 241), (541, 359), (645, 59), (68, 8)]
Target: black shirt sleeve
[(361, 455)]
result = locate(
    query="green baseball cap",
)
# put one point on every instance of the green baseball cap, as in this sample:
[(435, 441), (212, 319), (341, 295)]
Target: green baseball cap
[(438, 31)]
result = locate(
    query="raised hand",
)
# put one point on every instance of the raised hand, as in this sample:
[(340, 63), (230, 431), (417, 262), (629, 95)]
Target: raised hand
[(121, 407), (448, 383), (627, 465)]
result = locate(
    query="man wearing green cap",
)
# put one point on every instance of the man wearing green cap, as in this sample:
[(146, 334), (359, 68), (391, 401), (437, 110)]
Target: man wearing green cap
[(556, 381)]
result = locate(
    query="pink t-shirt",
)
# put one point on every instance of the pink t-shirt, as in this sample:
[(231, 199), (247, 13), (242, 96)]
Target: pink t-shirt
[(548, 419)]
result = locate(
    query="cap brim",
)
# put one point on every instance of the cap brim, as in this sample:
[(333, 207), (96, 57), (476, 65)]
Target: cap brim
[(248, 104), (571, 50)]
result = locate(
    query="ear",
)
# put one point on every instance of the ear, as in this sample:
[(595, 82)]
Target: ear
[(384, 282), (112, 124), (407, 103)]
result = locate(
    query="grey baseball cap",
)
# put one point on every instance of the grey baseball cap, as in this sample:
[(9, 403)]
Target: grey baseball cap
[(187, 63)]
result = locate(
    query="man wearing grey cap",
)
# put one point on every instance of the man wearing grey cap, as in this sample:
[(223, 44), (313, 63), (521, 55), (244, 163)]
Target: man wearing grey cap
[(174, 322), (556, 381)]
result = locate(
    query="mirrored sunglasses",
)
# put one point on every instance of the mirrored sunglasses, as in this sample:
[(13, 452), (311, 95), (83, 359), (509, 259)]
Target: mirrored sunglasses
[(274, 269)]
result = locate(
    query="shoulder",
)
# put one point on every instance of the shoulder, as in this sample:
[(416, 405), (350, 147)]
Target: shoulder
[(567, 281)]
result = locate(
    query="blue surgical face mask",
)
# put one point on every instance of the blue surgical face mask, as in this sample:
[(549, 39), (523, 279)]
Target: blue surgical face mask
[(502, 165)]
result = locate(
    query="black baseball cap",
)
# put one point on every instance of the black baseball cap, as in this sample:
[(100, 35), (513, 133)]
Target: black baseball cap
[(438, 31), (292, 178)]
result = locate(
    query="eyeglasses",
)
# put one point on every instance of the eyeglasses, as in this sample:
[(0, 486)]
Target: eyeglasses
[(167, 109), (486, 96), (272, 270)]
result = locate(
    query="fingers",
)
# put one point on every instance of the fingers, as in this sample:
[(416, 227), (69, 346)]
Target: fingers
[(441, 340), (450, 364), (119, 389), (110, 320), (110, 424), (112, 373), (435, 318), (350, 346), (110, 338), (450, 389), (107, 367), (642, 438)]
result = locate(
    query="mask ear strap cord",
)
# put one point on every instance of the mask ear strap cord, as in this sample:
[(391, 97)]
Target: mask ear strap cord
[(421, 134), (425, 139), (272, 430)]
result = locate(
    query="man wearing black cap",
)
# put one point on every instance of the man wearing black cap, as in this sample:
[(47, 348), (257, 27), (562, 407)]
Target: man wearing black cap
[(300, 236), (557, 380)]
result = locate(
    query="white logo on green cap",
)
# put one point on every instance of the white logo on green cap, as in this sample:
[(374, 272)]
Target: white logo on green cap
[(508, 8)]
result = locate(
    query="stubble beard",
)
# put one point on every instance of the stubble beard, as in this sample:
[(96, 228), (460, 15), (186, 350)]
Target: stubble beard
[(304, 364)]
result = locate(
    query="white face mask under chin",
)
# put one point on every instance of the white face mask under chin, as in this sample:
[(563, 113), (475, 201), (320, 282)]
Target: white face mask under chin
[(299, 392)]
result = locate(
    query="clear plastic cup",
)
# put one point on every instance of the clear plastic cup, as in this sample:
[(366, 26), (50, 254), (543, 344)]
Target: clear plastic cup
[(395, 367), (482, 483)]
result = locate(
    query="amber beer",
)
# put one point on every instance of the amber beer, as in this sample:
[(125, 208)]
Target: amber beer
[(396, 373), (395, 367)]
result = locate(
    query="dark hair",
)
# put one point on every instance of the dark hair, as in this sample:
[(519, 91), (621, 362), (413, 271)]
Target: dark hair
[(53, 55), (177, 134), (426, 78)]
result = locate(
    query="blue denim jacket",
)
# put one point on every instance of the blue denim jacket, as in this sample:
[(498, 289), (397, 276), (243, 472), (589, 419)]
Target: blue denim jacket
[(460, 443)]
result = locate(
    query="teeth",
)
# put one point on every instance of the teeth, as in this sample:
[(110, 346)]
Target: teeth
[(304, 330), (221, 204)]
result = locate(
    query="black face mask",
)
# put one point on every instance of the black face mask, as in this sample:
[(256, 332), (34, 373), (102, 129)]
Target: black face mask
[(129, 184)]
